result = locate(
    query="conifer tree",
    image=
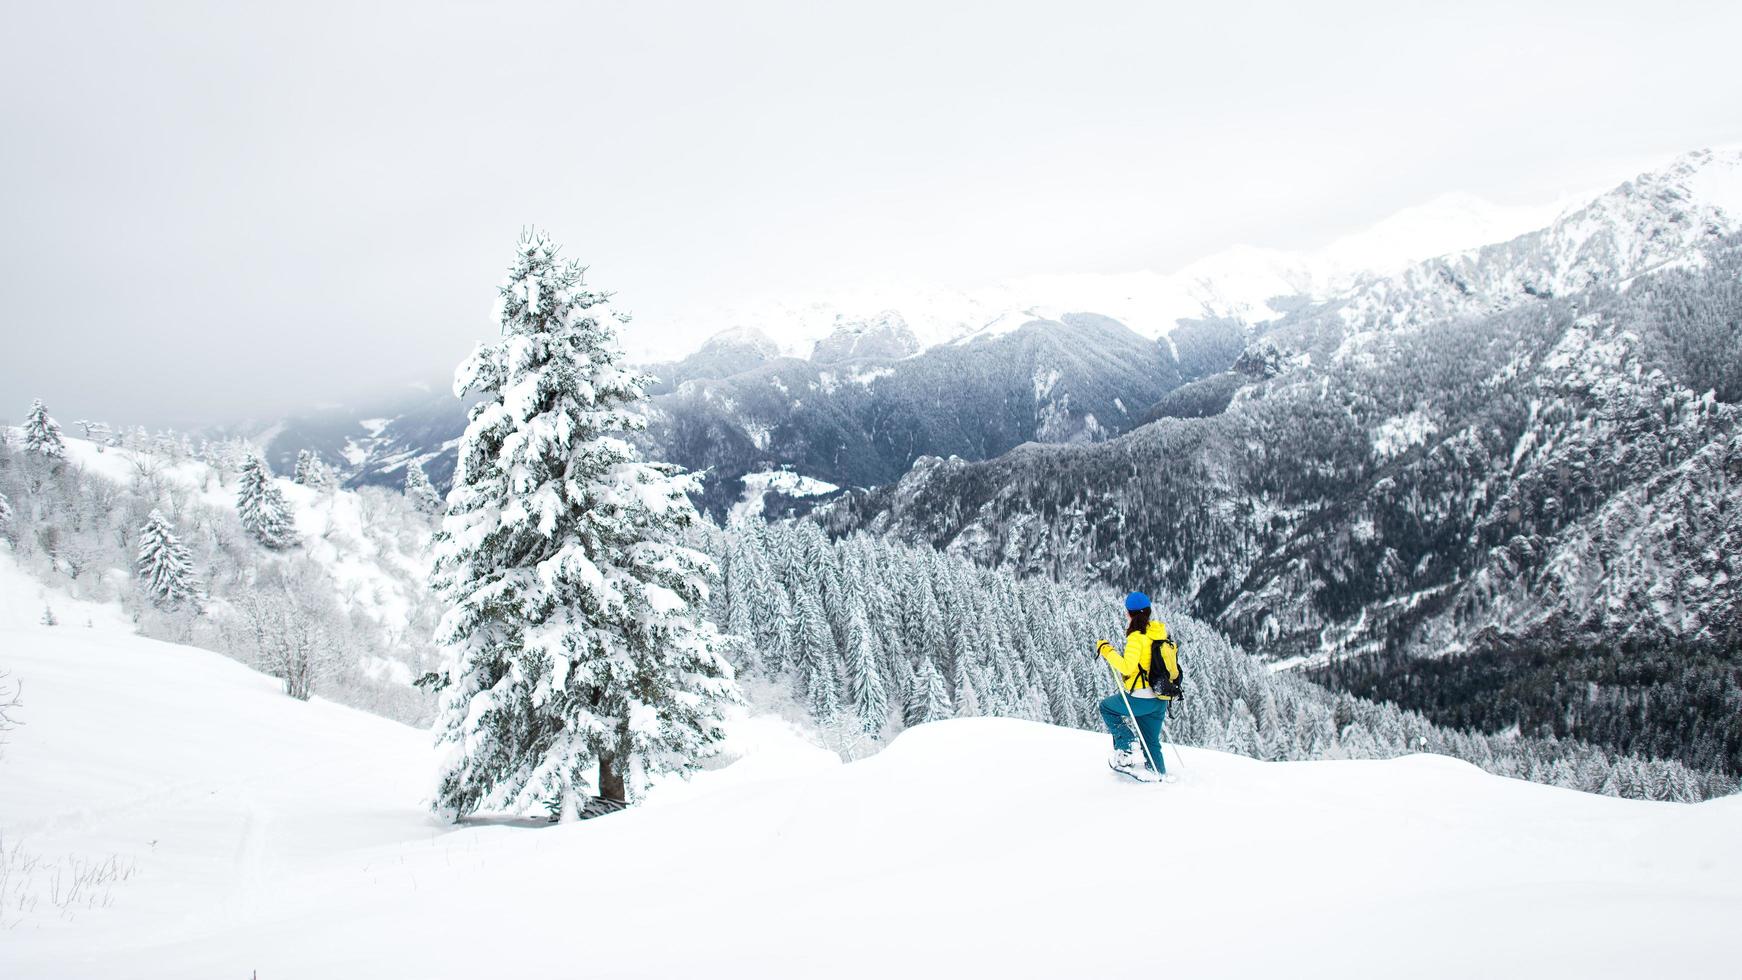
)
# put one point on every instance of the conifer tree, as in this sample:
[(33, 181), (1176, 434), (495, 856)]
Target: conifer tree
[(937, 694), (42, 434), (910, 693), (870, 698), (573, 642), (310, 471), (771, 610), (5, 518), (739, 618), (164, 566), (262, 506), (966, 699), (420, 491), (814, 647)]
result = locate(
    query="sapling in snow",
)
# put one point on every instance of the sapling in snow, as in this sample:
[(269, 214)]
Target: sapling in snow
[(576, 660)]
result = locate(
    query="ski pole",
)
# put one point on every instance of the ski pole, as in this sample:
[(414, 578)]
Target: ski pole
[(1119, 682), (1161, 739)]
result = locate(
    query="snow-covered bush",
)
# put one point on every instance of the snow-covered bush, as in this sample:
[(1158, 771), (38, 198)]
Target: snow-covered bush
[(286, 615)]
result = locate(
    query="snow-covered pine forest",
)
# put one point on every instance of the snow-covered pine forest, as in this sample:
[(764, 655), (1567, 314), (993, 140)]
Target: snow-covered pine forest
[(858, 638), (870, 637)]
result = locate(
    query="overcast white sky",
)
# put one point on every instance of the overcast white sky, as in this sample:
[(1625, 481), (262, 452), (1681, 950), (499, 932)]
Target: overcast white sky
[(226, 209)]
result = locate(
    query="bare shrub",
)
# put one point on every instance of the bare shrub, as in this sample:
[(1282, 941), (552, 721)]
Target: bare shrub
[(289, 616)]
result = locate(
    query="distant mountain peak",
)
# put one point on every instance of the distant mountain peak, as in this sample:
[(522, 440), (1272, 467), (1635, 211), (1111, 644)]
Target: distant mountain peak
[(741, 338), (1711, 177), (1242, 282), (885, 335)]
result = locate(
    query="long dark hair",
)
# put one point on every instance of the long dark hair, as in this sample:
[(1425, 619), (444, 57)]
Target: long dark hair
[(1139, 622)]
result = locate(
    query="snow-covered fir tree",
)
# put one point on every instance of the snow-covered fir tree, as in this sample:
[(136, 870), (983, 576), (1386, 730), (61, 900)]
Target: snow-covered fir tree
[(814, 648), (864, 678), (42, 433), (577, 664), (310, 471), (936, 699), (165, 569), (420, 491), (262, 506), (5, 518)]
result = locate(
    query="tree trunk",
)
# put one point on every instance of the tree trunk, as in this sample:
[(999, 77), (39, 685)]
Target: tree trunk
[(610, 779)]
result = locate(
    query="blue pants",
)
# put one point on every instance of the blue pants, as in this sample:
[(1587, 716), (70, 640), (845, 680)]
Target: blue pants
[(1149, 714)]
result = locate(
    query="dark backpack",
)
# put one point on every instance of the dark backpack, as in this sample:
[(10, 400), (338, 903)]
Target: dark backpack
[(1159, 682)]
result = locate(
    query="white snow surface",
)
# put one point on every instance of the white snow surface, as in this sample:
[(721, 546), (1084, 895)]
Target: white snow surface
[(758, 485), (289, 839)]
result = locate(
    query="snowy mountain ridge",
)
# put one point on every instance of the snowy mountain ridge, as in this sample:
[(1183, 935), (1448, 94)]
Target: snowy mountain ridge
[(879, 339), (1240, 282), (1237, 282), (1659, 220)]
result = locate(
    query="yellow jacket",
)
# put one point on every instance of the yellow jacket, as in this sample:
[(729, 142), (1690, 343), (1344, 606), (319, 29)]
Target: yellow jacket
[(1134, 664)]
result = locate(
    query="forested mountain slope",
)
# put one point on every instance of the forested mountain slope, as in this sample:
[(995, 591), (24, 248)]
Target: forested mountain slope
[(1552, 463), (857, 412), (863, 421), (866, 638)]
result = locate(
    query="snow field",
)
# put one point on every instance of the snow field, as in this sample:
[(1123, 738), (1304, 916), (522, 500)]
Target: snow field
[(289, 838)]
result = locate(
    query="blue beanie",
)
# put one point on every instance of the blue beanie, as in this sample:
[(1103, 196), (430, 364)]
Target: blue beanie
[(1136, 602)]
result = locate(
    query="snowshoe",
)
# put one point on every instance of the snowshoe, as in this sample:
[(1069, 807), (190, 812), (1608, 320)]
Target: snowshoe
[(1132, 766)]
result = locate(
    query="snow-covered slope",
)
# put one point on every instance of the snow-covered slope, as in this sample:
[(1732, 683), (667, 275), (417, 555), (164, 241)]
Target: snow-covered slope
[(255, 833), (1661, 220), (376, 554)]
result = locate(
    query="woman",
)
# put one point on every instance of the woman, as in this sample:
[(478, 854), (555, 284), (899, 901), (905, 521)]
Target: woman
[(1148, 654)]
